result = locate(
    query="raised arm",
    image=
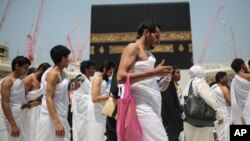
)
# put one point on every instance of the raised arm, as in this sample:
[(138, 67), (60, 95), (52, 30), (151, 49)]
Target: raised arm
[(245, 75)]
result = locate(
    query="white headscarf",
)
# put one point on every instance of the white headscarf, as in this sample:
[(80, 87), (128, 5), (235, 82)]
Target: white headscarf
[(196, 71), (196, 74)]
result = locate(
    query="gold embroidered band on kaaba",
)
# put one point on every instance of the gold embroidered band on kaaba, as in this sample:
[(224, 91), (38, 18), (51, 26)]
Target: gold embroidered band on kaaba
[(117, 49), (131, 37)]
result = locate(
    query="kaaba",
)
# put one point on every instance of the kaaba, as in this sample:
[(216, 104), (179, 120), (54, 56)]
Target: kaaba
[(114, 26)]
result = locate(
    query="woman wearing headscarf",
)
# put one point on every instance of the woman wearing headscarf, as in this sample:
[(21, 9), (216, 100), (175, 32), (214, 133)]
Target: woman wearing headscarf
[(171, 112), (202, 90)]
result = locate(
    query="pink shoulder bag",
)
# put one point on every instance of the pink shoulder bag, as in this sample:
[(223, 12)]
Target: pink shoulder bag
[(128, 127)]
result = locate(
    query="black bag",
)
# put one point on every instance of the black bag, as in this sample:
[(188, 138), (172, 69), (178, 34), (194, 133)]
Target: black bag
[(197, 112)]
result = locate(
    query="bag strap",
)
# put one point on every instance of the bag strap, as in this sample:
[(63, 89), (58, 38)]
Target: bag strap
[(190, 90), (127, 94)]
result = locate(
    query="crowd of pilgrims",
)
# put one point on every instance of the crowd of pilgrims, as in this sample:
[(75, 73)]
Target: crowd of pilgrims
[(87, 96), (43, 104)]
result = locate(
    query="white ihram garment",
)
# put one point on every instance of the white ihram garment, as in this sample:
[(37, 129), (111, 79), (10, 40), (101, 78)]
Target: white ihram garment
[(96, 121), (246, 112), (239, 92), (148, 102), (32, 115), (80, 109), (16, 100), (61, 102), (222, 130)]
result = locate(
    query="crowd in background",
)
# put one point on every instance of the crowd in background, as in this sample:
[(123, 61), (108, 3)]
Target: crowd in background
[(42, 103)]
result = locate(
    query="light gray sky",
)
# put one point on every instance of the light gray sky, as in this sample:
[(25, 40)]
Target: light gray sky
[(60, 18)]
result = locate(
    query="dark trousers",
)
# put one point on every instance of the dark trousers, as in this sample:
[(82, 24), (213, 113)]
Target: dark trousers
[(111, 129), (70, 122)]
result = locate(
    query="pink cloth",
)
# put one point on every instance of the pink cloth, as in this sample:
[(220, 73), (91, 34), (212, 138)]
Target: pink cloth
[(128, 126)]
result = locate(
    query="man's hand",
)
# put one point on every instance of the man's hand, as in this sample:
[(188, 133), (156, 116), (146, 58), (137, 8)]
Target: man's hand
[(60, 132), (15, 131), (162, 70), (220, 121)]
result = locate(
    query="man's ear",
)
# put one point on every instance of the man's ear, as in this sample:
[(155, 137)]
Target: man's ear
[(104, 69), (145, 31), (17, 66)]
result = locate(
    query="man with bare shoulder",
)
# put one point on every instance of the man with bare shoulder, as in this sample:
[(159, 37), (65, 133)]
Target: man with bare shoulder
[(222, 96), (53, 123), (12, 98), (33, 94), (240, 88), (138, 61)]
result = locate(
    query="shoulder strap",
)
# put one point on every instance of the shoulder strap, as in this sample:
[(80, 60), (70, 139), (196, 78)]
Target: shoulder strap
[(190, 90)]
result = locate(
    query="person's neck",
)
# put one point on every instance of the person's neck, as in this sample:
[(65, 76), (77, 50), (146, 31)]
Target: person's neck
[(87, 76), (221, 84), (15, 75), (142, 44), (241, 72), (58, 67)]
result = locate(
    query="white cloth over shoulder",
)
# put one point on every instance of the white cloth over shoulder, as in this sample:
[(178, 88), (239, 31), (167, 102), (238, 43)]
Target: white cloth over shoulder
[(34, 94), (96, 121), (31, 116), (148, 102), (80, 109), (246, 112), (61, 102), (239, 92), (17, 99), (222, 130)]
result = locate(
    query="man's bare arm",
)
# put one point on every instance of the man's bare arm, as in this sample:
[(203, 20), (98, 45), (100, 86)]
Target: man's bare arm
[(27, 84), (226, 94), (96, 86), (51, 85), (52, 79), (128, 59), (5, 93)]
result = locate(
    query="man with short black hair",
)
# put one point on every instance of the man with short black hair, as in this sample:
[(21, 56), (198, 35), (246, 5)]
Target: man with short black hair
[(80, 101), (33, 94), (138, 61), (53, 122), (240, 87), (222, 96), (12, 98)]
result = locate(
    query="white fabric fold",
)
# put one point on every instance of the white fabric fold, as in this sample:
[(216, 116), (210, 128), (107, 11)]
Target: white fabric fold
[(239, 92), (16, 100), (246, 112), (222, 130), (80, 103), (148, 102), (31, 116), (96, 121), (61, 102)]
